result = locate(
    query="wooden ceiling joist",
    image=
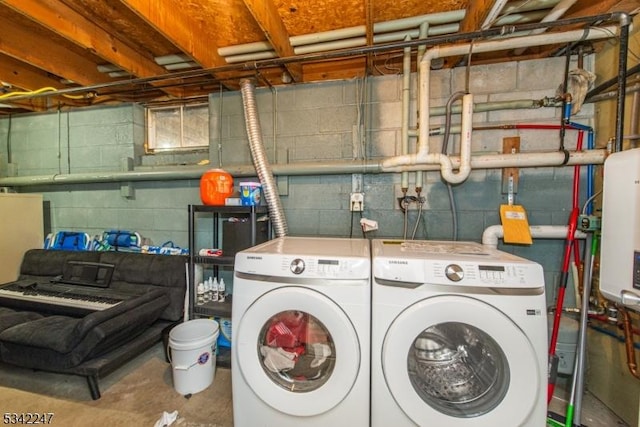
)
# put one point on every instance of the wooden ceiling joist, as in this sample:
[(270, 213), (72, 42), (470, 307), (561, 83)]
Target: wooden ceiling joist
[(47, 55), (474, 18), (188, 34), (64, 21), (267, 17)]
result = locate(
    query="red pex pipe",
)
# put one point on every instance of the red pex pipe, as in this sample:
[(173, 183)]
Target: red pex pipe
[(564, 275)]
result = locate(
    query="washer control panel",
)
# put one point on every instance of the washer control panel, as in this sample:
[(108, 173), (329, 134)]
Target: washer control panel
[(314, 267)]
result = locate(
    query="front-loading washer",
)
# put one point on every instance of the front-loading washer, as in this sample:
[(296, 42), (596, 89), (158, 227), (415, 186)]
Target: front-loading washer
[(459, 336), (301, 315)]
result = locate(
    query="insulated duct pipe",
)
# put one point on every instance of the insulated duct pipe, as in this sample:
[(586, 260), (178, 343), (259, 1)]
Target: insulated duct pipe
[(485, 161), (493, 233), (260, 161), (454, 16), (423, 157)]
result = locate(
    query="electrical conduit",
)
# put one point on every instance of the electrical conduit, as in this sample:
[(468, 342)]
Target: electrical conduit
[(260, 161)]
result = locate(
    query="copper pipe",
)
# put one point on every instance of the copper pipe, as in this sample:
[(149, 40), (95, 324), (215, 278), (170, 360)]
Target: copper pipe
[(628, 342)]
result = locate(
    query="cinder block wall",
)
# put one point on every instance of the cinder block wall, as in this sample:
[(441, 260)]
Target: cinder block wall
[(340, 120)]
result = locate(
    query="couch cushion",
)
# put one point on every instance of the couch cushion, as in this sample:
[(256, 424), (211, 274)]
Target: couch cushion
[(164, 272), (58, 342), (43, 263), (9, 317)]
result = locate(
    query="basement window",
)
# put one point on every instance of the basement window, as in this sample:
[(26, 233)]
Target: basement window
[(177, 128)]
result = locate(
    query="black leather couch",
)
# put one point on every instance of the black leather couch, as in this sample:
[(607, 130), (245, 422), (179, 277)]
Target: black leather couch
[(95, 344)]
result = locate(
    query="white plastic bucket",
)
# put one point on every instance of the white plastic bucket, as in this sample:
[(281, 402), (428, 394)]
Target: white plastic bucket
[(192, 352)]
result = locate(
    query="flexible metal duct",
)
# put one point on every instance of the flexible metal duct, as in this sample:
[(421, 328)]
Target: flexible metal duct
[(258, 154)]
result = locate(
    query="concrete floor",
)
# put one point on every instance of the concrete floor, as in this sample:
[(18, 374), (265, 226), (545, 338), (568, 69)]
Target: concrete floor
[(139, 393), (135, 395)]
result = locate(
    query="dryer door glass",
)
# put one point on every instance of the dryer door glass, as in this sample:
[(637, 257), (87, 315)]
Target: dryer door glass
[(458, 369), (296, 351)]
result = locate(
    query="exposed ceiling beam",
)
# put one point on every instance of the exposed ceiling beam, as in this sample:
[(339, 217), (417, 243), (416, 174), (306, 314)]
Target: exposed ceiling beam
[(24, 77), (40, 52), (587, 8), (19, 74), (266, 15), (64, 21), (474, 18), (186, 33), (368, 22)]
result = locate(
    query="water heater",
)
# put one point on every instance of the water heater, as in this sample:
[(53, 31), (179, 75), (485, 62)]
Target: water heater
[(620, 246)]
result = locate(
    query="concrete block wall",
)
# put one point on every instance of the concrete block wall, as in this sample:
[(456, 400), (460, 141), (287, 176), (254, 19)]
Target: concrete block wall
[(88, 141), (331, 121), (321, 122)]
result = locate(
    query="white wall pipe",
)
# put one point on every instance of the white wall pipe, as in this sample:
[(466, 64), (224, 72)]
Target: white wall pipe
[(517, 160), (493, 233), (337, 167), (423, 34), (406, 97), (423, 156)]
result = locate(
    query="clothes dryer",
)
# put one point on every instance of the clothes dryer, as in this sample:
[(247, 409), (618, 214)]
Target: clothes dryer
[(301, 333), (459, 336)]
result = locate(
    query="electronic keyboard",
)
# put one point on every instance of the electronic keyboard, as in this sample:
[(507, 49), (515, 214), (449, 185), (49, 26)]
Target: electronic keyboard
[(58, 298)]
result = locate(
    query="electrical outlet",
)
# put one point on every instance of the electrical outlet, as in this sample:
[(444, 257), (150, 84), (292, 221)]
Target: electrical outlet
[(356, 202)]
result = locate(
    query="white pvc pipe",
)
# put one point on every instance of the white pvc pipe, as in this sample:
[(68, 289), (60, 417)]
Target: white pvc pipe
[(337, 167), (559, 10), (242, 49), (268, 54), (520, 18), (493, 233), (332, 45), (415, 21), (328, 36), (423, 33), (528, 5), (350, 32), (436, 30), (517, 160), (423, 156), (406, 95), (493, 14)]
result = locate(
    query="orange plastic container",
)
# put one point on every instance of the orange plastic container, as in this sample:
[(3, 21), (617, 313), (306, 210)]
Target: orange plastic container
[(215, 186)]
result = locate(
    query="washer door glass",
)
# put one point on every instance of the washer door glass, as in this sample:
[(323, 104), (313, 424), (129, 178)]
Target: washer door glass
[(458, 369), (451, 360), (297, 351)]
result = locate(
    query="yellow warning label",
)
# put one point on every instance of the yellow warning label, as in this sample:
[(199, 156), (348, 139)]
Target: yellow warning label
[(515, 224)]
